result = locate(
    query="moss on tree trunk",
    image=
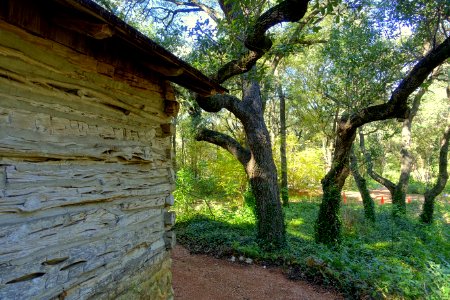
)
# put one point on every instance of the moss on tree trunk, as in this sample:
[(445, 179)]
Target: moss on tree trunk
[(328, 224)]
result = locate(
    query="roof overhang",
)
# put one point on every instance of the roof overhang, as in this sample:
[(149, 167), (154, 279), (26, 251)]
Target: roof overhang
[(88, 18)]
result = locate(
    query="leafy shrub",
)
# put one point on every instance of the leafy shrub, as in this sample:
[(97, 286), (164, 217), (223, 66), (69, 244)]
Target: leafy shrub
[(305, 168), (391, 258), (250, 200), (416, 187)]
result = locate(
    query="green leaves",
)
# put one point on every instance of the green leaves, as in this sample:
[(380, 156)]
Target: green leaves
[(375, 260)]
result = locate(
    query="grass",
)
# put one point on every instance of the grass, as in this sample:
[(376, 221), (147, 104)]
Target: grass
[(400, 259)]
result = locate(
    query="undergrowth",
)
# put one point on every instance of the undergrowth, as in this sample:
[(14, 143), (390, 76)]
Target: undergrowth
[(394, 259)]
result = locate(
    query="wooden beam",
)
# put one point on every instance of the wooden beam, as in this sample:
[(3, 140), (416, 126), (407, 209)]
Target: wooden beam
[(171, 108), (97, 31), (167, 71), (170, 200), (167, 129), (169, 218), (170, 239)]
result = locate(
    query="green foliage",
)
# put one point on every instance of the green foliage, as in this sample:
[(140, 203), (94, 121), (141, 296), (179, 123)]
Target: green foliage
[(349, 78), (306, 168), (249, 199), (305, 164), (204, 185), (416, 187), (386, 259), (185, 186)]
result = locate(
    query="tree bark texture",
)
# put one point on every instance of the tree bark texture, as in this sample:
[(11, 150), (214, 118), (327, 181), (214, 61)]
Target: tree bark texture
[(284, 174), (406, 160), (262, 171), (257, 159), (328, 226), (430, 195), (256, 39), (369, 206)]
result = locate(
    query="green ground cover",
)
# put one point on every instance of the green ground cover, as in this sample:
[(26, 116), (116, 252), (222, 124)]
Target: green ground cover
[(394, 259)]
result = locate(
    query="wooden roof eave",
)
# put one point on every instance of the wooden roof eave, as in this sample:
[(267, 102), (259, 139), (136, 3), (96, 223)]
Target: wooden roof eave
[(169, 66)]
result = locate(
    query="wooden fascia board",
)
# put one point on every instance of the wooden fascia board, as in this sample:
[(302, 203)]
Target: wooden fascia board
[(171, 67)]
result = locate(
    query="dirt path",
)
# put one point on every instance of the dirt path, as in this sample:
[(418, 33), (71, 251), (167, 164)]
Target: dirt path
[(378, 194), (200, 277)]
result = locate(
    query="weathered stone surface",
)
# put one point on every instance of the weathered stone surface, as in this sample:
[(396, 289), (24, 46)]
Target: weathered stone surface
[(170, 200), (84, 174), (157, 286), (169, 218), (170, 239)]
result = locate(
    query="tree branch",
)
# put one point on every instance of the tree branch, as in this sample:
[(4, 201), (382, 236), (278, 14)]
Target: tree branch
[(173, 13), (256, 40), (397, 106), (375, 176), (194, 3), (307, 42), (226, 142), (217, 102), (285, 11), (238, 66), (443, 165)]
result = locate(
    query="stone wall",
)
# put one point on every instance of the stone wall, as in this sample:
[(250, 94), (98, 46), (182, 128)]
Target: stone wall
[(85, 174)]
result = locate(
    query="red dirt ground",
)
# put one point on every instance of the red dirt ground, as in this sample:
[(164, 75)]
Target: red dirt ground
[(201, 277)]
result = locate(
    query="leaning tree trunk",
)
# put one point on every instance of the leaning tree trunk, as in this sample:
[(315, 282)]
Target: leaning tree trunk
[(369, 206), (284, 175), (328, 225), (257, 158), (399, 195), (428, 205)]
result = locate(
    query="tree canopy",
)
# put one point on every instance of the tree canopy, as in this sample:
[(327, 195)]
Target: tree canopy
[(334, 67)]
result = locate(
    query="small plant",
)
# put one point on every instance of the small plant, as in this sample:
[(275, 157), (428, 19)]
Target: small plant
[(394, 258)]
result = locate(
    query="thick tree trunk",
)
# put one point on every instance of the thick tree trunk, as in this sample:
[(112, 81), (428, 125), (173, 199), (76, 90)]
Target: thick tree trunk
[(328, 224), (262, 171), (369, 206), (430, 195), (257, 159), (262, 174), (284, 175)]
